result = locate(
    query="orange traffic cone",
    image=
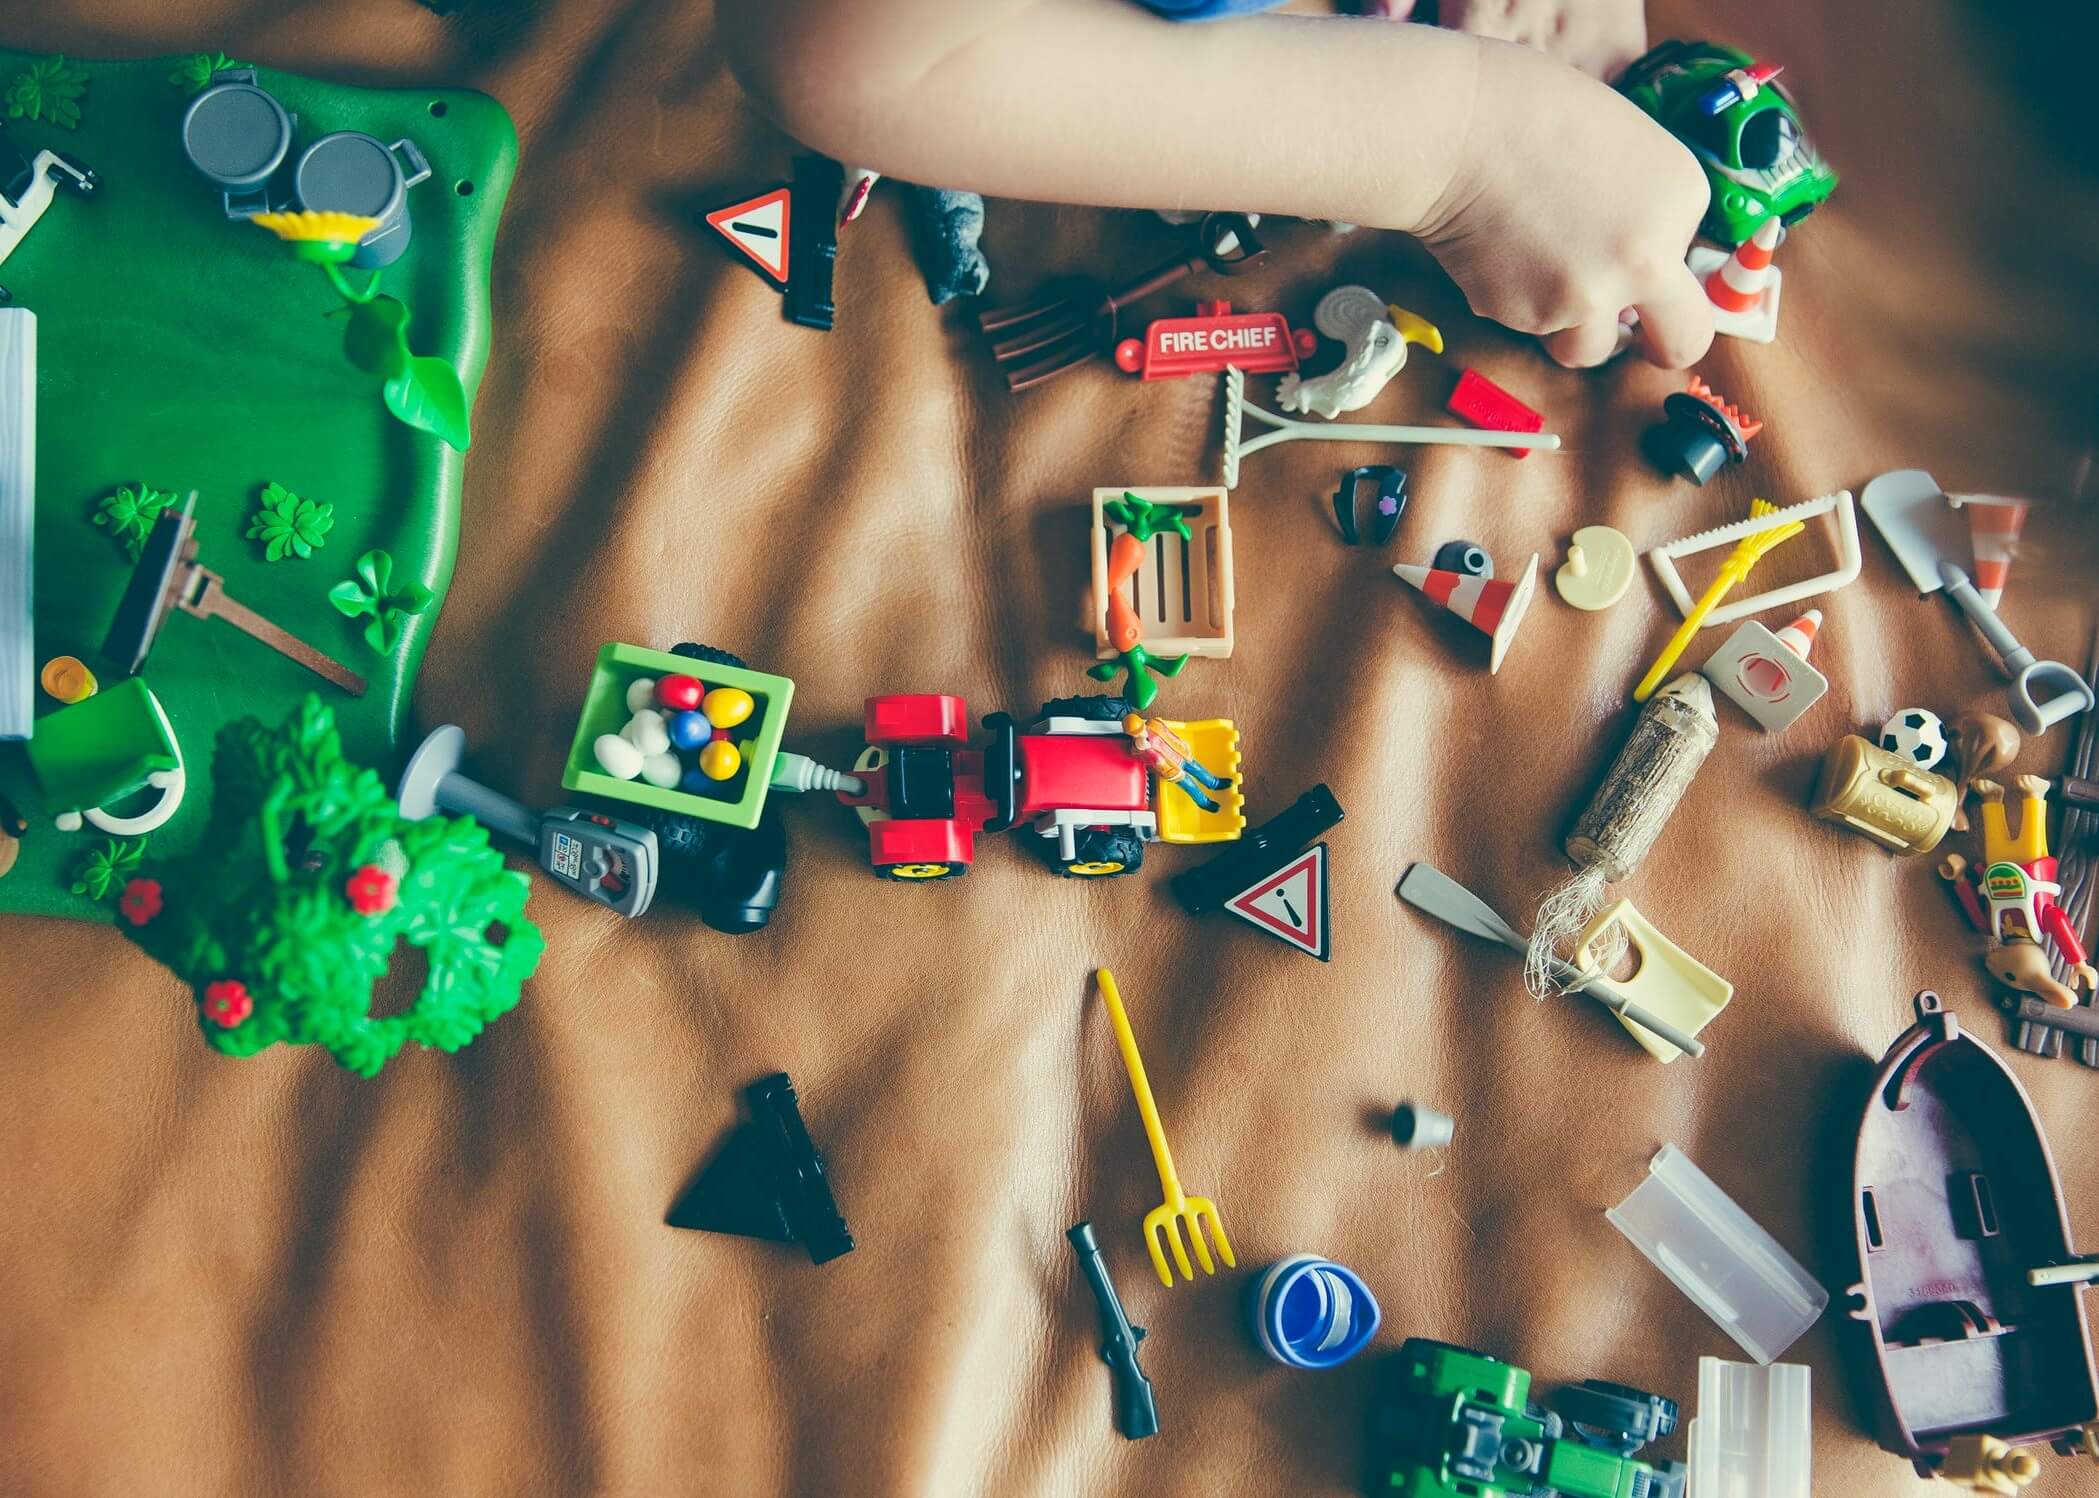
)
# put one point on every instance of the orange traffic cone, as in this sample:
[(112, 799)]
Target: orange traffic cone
[(1799, 636), (1492, 605), (1743, 286), (1993, 531)]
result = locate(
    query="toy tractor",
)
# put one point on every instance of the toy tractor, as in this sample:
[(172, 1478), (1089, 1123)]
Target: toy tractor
[(1075, 776), (1451, 1423)]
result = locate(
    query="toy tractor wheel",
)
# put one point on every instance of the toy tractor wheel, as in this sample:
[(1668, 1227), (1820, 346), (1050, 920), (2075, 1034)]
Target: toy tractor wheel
[(922, 873), (1104, 852), (709, 654), (1096, 709), (1615, 1417)]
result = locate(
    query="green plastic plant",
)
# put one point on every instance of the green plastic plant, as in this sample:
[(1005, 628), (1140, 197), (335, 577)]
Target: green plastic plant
[(107, 869), (193, 74), (1139, 666), (305, 884), (49, 89), (288, 525), (1143, 519), (129, 514), (372, 593)]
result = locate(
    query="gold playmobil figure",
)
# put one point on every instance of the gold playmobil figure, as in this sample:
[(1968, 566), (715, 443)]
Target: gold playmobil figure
[(2012, 898)]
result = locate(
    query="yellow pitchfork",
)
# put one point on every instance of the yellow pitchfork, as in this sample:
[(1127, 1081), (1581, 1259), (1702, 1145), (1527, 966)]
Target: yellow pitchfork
[(1162, 1225)]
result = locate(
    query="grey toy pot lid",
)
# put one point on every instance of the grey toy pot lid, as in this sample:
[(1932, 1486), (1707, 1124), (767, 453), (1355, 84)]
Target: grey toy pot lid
[(349, 172), (236, 134)]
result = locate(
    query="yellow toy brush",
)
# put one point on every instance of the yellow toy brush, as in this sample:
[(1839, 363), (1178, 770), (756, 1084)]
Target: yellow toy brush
[(1747, 553), (1162, 1225)]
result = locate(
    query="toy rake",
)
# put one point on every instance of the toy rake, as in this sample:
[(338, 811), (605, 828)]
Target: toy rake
[(1162, 1225), (1237, 409), (1076, 320)]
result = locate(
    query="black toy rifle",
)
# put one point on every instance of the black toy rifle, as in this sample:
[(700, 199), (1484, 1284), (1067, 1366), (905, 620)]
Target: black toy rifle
[(1136, 1416)]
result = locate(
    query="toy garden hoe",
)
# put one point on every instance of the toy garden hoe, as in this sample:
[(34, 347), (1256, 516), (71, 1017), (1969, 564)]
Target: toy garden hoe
[(1162, 1225)]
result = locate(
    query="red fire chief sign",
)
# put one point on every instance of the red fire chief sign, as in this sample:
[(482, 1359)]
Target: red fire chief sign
[(1257, 342)]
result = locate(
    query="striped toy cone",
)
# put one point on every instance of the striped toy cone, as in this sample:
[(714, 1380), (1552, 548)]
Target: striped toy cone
[(1493, 605), (1799, 636), (1738, 285), (1993, 531)]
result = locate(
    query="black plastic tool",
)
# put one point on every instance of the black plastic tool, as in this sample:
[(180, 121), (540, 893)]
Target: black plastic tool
[(768, 1181), (1136, 1415)]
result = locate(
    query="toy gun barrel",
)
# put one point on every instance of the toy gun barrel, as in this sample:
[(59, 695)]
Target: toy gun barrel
[(1136, 1414)]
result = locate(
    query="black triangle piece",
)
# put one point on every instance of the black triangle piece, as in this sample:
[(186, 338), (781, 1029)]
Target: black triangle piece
[(768, 1181)]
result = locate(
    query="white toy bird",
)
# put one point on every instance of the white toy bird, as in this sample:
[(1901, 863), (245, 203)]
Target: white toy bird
[(1375, 336)]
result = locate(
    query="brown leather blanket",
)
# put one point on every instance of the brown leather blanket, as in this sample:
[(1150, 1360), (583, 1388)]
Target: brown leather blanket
[(268, 1276)]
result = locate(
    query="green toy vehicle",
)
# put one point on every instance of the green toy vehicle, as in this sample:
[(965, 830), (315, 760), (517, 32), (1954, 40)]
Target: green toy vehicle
[(1743, 129), (1449, 1423)]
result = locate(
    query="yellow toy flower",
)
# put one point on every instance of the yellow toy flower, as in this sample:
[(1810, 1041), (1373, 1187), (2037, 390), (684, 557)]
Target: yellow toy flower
[(329, 238)]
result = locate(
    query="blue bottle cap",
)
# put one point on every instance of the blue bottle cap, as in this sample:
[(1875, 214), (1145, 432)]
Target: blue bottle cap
[(1310, 1312)]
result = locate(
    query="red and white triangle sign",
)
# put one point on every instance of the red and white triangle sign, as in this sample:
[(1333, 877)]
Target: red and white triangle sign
[(758, 227), (1291, 903)]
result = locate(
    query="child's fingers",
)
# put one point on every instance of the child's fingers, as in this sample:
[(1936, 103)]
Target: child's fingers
[(1676, 321), (1585, 345)]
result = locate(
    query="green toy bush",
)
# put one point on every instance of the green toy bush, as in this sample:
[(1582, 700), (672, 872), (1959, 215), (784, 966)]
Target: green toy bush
[(305, 883)]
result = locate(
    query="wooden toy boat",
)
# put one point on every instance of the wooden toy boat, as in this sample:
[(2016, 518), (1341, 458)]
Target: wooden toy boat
[(1956, 1199)]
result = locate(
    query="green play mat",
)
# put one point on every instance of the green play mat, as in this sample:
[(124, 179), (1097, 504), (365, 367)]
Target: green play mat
[(183, 350)]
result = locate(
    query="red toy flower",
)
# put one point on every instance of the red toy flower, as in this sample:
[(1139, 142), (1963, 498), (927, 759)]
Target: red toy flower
[(372, 891), (141, 901), (226, 1002)]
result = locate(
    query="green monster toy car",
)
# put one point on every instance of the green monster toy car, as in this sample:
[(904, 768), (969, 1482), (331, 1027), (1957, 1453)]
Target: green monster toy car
[(1743, 129), (1449, 1423)]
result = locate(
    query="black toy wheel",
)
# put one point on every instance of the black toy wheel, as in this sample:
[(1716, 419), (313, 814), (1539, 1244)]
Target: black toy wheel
[(1614, 1416), (709, 654), (922, 873), (1104, 852), (1101, 709)]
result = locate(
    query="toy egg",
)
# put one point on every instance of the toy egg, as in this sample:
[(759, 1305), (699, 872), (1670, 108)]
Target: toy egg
[(720, 760), (616, 756), (690, 730), (641, 693), (645, 731), (65, 678), (1917, 735), (662, 770), (681, 694), (726, 707), (694, 783)]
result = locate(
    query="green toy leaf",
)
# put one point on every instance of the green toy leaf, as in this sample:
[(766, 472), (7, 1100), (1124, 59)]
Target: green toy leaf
[(49, 89), (288, 525), (428, 396), (193, 74), (129, 514), (105, 869), (372, 593), (376, 340)]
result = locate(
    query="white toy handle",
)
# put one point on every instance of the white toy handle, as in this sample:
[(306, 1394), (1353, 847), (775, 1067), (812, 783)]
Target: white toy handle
[(170, 783)]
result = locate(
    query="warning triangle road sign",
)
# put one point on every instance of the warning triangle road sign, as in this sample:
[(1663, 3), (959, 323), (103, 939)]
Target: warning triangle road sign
[(758, 226), (1291, 903)]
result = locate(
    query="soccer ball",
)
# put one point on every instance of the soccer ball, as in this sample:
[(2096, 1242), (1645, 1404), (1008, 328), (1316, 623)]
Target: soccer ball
[(1917, 735)]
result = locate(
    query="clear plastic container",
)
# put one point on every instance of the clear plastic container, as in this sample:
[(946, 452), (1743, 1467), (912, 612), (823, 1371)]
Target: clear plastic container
[(1715, 1253), (1753, 1435)]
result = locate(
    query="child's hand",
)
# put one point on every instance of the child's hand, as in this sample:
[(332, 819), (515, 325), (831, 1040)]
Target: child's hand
[(1567, 206), (1598, 36)]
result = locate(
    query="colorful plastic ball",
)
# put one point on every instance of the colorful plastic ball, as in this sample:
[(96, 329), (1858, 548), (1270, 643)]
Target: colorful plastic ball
[(690, 730), (1917, 735), (681, 694), (693, 783), (726, 707), (720, 760)]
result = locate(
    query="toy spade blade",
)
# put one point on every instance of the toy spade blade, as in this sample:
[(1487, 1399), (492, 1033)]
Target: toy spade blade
[(768, 1181)]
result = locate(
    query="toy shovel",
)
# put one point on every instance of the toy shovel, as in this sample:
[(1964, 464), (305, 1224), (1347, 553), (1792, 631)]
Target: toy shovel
[(2069, 693), (1428, 888), (1162, 1225)]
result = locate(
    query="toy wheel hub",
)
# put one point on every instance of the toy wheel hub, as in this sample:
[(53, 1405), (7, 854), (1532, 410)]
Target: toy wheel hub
[(1096, 868), (919, 870)]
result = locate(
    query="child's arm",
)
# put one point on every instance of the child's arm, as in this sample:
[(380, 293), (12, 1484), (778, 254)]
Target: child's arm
[(1553, 202)]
